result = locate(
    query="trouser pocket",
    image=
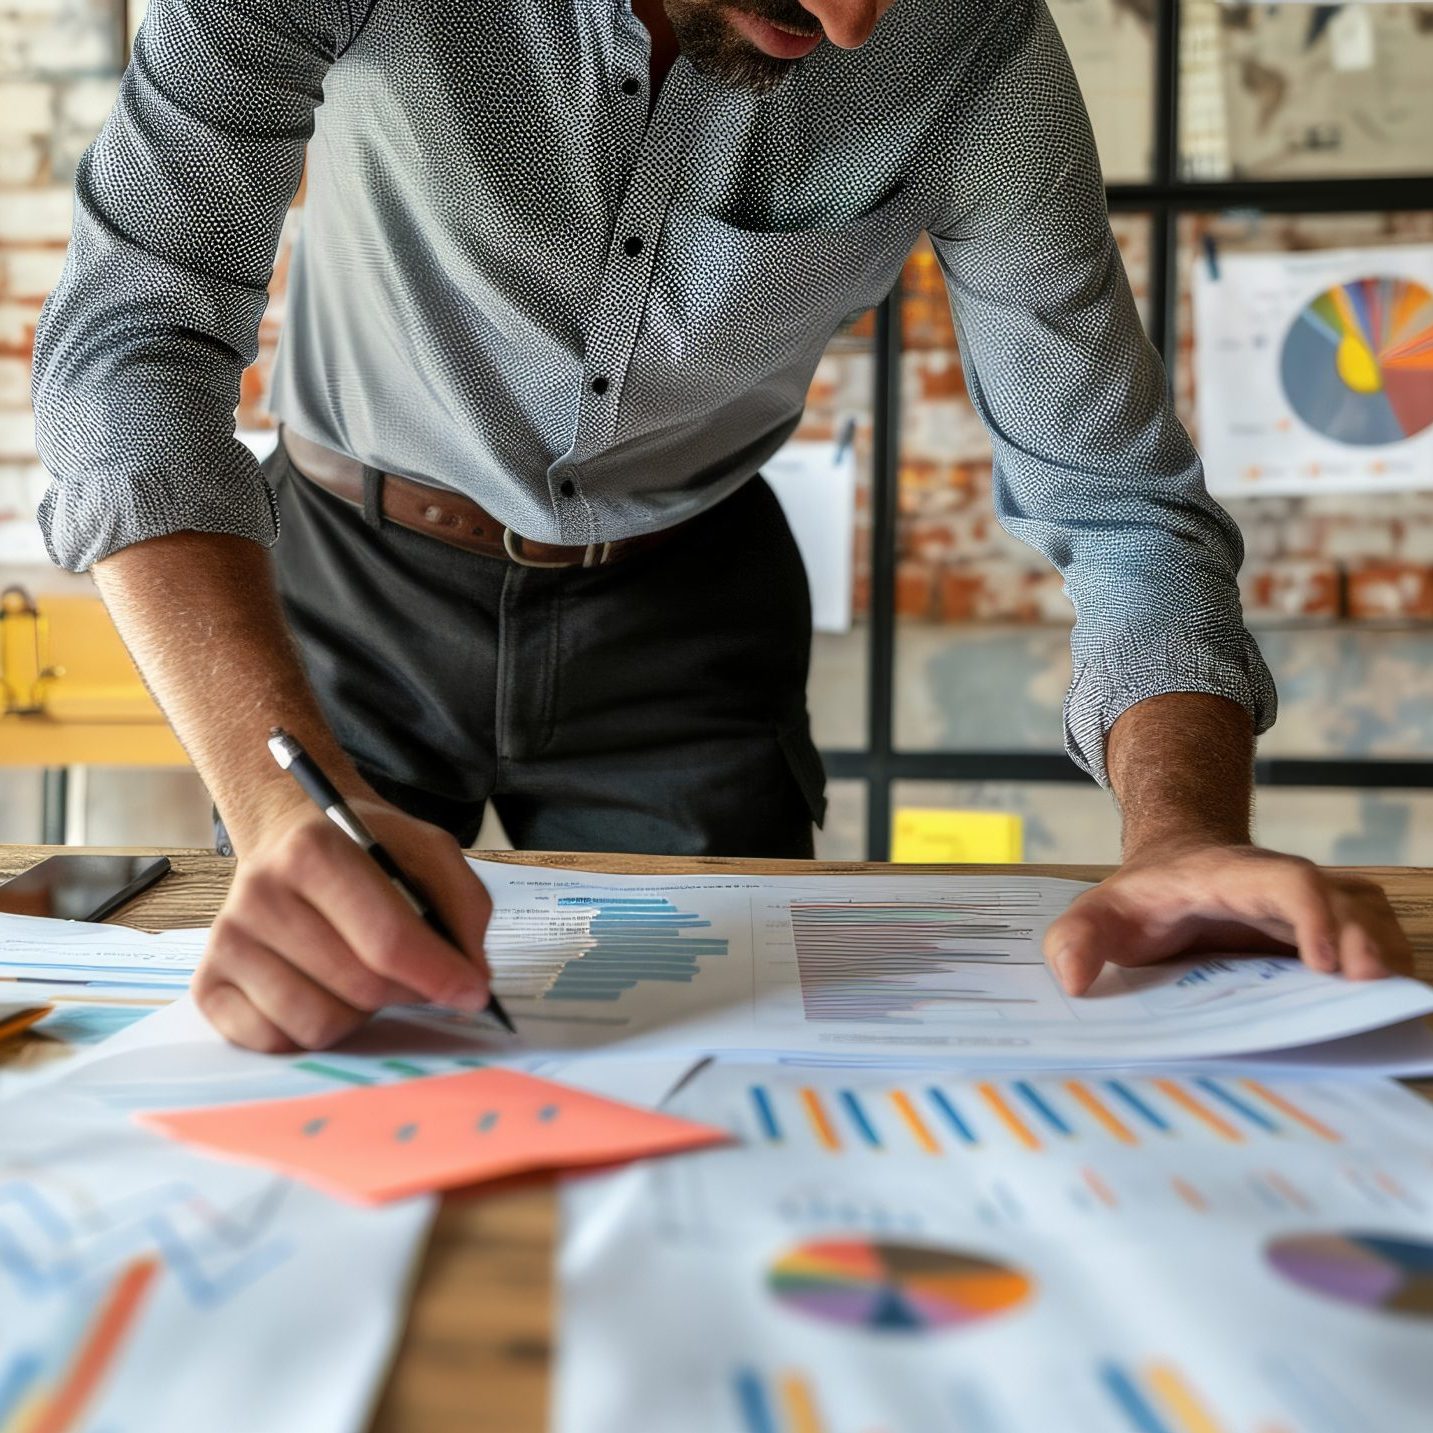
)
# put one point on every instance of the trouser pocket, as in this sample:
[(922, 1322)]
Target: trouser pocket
[(806, 767)]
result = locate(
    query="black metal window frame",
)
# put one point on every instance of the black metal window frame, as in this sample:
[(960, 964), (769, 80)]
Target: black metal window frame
[(1165, 199)]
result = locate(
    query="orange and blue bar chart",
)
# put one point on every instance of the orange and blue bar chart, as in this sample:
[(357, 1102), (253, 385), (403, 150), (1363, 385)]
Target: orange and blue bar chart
[(940, 1118)]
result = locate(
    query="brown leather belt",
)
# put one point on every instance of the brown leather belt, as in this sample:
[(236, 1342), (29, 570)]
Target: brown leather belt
[(449, 516)]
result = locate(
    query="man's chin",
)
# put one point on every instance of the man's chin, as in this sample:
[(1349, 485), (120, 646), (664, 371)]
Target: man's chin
[(717, 47)]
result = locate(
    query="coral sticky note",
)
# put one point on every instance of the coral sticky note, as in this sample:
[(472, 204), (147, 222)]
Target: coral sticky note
[(384, 1142)]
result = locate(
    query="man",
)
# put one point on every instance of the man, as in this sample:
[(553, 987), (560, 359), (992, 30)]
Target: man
[(566, 271)]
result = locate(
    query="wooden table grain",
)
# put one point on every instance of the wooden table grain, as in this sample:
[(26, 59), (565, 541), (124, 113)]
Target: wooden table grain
[(475, 1354)]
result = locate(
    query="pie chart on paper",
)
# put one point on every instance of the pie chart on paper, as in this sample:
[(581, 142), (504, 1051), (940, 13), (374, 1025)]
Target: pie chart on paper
[(1372, 1271), (1357, 362), (894, 1288)]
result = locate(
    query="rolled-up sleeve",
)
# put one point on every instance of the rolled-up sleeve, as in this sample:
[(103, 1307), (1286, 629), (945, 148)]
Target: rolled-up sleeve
[(1092, 467), (178, 207)]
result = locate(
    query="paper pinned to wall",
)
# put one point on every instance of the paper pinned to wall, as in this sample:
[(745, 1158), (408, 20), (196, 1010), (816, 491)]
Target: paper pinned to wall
[(816, 486), (1315, 371)]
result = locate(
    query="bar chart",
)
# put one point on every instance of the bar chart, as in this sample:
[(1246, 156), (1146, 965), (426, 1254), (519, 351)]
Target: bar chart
[(929, 954), (597, 948), (942, 1118)]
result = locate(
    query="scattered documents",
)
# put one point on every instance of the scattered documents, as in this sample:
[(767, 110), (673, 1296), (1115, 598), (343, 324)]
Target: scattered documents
[(945, 969), (942, 969), (145, 1286), (94, 963), (1031, 1252), (175, 1059), (390, 1141)]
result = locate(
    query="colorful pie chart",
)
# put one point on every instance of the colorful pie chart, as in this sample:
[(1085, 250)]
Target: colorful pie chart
[(1357, 363), (1374, 1271), (894, 1288)]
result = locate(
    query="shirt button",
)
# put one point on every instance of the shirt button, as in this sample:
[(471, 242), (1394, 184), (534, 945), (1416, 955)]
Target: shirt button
[(599, 384), (631, 85), (632, 246), (568, 488)]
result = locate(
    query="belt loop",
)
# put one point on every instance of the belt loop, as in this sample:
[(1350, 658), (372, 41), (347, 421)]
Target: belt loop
[(372, 496)]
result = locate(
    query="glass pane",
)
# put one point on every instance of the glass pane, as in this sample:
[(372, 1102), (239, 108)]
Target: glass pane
[(838, 406), (1071, 823), (1314, 91), (1111, 45), (1349, 828), (843, 838), (982, 647)]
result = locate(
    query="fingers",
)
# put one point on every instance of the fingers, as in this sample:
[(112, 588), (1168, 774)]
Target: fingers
[(228, 1010), (1371, 942), (462, 900), (1297, 892), (1234, 899), (349, 891), (1077, 944), (281, 919), (267, 1003)]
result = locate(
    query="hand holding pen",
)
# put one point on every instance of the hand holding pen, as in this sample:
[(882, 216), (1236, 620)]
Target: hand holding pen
[(314, 935), (321, 791)]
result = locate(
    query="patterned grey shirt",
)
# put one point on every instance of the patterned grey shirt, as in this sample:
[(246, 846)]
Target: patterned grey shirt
[(514, 281)]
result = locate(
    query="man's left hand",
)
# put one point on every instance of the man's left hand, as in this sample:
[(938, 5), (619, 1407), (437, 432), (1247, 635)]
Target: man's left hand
[(1207, 898)]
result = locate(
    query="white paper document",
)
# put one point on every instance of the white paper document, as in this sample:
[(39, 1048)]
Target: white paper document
[(143, 1286), (95, 963), (912, 969), (1148, 1253), (1313, 372), (942, 969), (176, 1060)]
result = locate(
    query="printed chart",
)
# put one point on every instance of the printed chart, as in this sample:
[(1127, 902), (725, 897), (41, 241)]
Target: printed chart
[(1357, 364), (898, 1288), (1314, 371), (874, 969), (1132, 1253), (117, 1248), (1372, 1271), (914, 944)]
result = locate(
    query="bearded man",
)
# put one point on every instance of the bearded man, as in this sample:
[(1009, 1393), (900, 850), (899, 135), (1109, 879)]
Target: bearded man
[(567, 267)]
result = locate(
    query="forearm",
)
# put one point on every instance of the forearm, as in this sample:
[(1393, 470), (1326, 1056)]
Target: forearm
[(1181, 767), (201, 617)]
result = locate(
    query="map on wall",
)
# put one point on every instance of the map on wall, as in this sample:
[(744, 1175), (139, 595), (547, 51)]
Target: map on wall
[(1327, 90), (1111, 45), (1315, 371)]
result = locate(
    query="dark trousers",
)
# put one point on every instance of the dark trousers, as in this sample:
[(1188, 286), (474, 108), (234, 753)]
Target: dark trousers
[(657, 705)]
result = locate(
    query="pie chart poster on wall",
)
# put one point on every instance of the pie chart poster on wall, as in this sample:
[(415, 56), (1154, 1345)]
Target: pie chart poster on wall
[(1315, 371)]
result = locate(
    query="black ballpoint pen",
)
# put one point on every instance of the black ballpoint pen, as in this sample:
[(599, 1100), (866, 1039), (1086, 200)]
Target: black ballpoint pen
[(290, 755)]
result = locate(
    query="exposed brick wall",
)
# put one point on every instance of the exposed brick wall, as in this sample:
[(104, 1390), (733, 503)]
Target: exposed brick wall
[(60, 62), (1360, 557)]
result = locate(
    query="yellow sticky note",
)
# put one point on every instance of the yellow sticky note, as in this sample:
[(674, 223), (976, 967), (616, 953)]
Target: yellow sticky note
[(928, 835)]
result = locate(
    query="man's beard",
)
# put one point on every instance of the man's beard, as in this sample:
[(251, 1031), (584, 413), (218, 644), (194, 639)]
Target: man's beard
[(716, 49)]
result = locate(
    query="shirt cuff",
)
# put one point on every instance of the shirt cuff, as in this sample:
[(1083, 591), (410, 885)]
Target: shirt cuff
[(1137, 665), (85, 520)]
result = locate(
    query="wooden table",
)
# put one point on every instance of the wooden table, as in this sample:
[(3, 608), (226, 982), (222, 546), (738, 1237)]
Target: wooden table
[(475, 1356)]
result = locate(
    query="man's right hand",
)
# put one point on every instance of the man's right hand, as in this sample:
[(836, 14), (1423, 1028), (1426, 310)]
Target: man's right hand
[(313, 938)]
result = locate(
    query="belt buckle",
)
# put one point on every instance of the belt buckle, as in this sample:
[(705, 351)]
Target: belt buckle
[(596, 554)]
